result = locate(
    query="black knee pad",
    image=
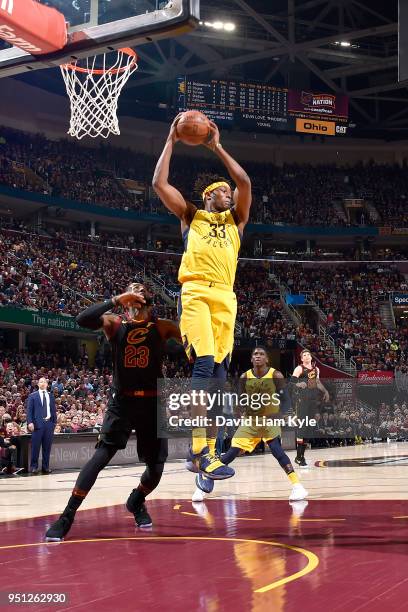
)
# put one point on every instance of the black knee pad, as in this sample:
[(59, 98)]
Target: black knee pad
[(202, 371), (221, 370)]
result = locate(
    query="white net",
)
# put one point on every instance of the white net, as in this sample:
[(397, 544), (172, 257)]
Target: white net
[(94, 89)]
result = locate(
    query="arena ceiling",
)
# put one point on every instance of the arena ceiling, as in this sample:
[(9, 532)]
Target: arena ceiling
[(285, 43)]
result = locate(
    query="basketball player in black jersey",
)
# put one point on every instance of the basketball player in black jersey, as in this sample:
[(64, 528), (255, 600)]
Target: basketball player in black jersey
[(137, 347), (306, 380)]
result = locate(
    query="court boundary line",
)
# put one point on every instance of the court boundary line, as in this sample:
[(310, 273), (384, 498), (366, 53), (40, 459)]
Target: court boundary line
[(312, 558)]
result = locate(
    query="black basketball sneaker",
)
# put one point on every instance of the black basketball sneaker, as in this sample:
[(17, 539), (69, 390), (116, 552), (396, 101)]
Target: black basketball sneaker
[(60, 528), (143, 519)]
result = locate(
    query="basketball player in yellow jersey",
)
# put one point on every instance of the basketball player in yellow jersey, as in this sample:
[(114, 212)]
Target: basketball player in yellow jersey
[(208, 306), (261, 379)]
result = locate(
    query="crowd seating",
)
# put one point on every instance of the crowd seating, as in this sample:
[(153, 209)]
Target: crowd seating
[(64, 271), (291, 194), (63, 275), (350, 297), (82, 394)]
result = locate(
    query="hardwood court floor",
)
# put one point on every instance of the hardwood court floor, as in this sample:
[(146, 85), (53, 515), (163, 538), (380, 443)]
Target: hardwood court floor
[(246, 548)]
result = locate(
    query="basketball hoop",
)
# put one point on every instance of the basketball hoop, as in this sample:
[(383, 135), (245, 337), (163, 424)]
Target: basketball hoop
[(94, 92)]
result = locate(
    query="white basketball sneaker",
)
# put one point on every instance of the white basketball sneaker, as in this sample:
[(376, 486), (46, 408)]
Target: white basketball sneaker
[(198, 495), (298, 492)]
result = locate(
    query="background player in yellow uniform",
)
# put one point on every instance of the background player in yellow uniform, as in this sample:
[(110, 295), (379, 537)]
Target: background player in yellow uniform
[(260, 379), (208, 306)]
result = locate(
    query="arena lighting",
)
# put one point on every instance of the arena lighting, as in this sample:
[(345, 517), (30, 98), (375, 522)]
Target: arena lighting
[(227, 26), (345, 44)]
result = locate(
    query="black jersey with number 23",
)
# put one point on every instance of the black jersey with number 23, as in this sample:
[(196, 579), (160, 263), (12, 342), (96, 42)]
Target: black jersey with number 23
[(137, 356)]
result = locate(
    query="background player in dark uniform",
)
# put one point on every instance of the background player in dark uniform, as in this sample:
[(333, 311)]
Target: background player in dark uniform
[(306, 380), (137, 347)]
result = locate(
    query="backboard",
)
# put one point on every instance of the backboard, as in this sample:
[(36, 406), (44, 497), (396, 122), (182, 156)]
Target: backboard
[(100, 26)]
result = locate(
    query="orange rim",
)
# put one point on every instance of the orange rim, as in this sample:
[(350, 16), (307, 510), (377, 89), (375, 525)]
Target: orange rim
[(126, 50)]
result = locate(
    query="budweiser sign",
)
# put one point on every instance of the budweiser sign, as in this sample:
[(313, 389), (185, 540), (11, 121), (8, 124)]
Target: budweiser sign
[(375, 377)]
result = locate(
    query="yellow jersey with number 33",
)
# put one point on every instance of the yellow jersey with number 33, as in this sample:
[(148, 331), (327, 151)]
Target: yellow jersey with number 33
[(211, 247)]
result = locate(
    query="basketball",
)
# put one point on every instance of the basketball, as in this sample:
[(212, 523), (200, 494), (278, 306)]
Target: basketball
[(193, 128)]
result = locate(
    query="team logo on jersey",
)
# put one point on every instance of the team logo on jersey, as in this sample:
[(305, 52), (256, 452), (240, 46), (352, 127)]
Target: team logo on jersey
[(138, 335)]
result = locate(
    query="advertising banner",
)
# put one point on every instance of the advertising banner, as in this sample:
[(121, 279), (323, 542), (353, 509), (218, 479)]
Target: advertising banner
[(400, 299), (313, 126), (376, 377), (40, 318), (306, 103)]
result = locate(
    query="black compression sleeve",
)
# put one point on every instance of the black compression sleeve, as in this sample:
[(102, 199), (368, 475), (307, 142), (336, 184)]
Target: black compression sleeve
[(285, 402), (91, 317)]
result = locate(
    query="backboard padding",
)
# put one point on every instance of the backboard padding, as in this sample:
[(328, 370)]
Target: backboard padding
[(177, 17)]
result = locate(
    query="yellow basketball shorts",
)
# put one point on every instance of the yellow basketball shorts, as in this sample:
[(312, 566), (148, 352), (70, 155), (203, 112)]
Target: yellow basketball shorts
[(207, 314), (247, 438)]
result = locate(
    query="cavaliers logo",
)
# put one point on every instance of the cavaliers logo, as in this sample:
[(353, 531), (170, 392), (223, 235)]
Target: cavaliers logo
[(138, 335)]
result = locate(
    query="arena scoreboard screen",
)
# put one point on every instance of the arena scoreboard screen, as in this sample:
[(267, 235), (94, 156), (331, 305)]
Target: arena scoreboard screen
[(262, 108)]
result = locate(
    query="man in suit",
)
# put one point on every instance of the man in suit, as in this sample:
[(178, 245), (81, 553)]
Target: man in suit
[(41, 418)]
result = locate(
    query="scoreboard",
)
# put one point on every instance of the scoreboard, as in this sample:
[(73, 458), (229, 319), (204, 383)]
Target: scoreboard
[(260, 107)]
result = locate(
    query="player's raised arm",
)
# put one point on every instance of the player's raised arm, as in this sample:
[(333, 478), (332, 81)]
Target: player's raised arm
[(95, 317), (242, 194), (169, 195)]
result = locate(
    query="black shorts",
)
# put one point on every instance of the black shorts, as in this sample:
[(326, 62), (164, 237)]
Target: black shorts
[(308, 405), (140, 414)]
